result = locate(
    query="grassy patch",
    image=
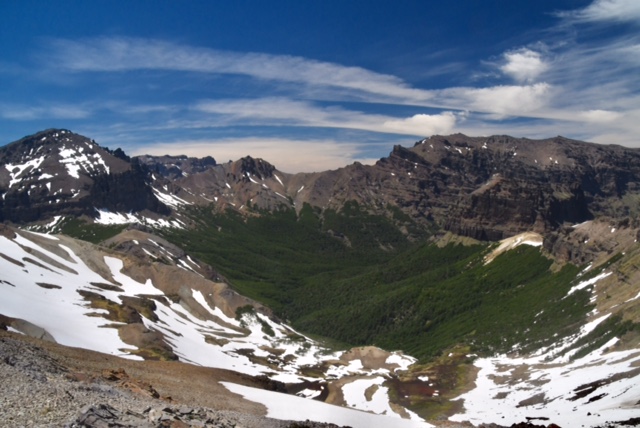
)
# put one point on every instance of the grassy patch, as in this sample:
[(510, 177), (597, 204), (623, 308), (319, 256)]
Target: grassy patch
[(610, 328), (94, 233)]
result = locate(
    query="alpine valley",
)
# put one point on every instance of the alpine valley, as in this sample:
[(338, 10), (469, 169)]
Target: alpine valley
[(463, 281)]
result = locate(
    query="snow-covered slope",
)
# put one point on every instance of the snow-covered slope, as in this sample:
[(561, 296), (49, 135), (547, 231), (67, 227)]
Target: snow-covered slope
[(572, 382), (154, 301), (590, 391)]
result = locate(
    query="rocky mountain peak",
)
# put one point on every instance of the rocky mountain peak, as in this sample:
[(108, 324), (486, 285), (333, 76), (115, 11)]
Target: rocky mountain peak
[(57, 171), (173, 167), (486, 188), (253, 166)]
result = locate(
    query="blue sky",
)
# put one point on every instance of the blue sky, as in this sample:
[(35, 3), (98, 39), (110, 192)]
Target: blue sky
[(315, 85)]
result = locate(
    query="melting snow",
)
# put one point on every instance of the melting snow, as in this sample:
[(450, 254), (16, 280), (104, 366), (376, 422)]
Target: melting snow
[(75, 160), (16, 170), (289, 407), (107, 217), (168, 199), (588, 282), (355, 396), (67, 322), (555, 390)]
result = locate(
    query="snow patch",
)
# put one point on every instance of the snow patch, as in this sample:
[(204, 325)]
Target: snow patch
[(588, 282), (290, 407), (527, 238)]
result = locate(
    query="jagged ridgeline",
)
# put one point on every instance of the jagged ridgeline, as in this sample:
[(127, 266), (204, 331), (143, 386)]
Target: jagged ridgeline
[(350, 254), (57, 172)]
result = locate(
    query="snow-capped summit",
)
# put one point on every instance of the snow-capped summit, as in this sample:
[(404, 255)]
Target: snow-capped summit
[(56, 171)]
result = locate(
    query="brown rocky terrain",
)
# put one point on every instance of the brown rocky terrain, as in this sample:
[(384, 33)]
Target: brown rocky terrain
[(49, 385), (486, 188), (578, 200), (46, 384)]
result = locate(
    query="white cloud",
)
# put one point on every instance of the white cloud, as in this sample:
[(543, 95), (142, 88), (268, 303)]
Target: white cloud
[(283, 111), (288, 155), (608, 10), (599, 116), (587, 90), (502, 100), (523, 65), (423, 124)]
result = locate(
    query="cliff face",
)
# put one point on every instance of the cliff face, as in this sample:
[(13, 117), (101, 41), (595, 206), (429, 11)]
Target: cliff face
[(505, 185), (487, 188), (491, 188), (173, 167)]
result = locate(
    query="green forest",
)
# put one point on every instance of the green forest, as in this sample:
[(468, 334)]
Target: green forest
[(355, 278)]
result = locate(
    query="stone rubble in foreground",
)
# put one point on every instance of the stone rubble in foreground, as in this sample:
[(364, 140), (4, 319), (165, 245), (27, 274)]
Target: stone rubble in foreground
[(37, 391)]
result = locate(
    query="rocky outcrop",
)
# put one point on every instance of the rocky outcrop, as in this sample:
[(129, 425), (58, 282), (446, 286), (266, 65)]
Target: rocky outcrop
[(124, 192), (67, 387), (489, 188), (173, 167)]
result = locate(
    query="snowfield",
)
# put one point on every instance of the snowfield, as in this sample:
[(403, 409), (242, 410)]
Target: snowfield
[(549, 390), (289, 407), (45, 294)]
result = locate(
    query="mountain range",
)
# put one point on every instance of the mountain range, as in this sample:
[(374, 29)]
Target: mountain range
[(500, 274)]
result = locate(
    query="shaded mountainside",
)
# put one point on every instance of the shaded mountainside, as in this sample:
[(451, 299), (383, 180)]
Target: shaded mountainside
[(490, 188), (173, 167), (57, 172)]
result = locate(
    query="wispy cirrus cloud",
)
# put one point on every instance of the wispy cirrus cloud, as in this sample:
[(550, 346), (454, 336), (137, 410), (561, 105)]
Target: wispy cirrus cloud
[(110, 54), (543, 83), (128, 54), (55, 111), (573, 79), (606, 10), (285, 111)]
